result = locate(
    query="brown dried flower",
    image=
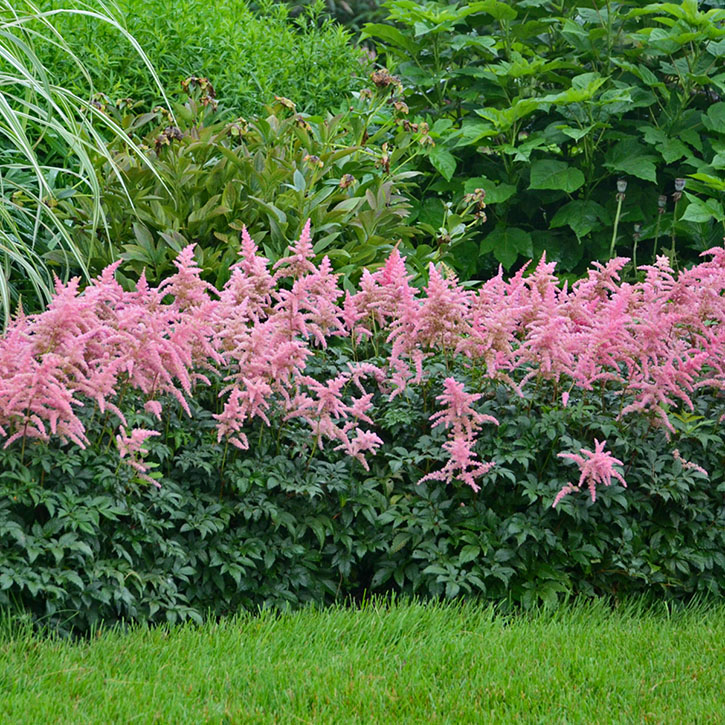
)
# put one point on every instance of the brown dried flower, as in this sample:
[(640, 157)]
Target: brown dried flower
[(382, 78), (285, 102)]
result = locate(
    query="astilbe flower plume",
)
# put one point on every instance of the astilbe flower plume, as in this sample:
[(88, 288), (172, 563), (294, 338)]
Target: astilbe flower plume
[(653, 343), (596, 467), (463, 420), (131, 450)]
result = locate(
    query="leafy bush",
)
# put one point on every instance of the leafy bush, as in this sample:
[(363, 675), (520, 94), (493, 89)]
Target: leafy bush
[(546, 105), (249, 57), (269, 437), (353, 14), (82, 541), (349, 174)]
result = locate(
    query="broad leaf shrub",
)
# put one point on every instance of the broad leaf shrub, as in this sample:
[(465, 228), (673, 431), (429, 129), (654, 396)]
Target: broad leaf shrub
[(349, 173), (546, 105), (177, 450), (250, 56)]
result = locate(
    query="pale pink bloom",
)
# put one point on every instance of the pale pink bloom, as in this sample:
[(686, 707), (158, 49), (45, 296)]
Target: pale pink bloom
[(131, 449), (463, 464), (298, 263), (186, 285), (458, 412), (459, 415), (689, 465), (153, 407), (595, 467), (363, 442)]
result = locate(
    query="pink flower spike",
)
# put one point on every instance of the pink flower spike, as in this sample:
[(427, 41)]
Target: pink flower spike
[(689, 465), (596, 467), (130, 444), (153, 407), (298, 263)]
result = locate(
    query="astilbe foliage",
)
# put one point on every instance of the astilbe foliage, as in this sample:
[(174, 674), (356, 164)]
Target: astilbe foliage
[(653, 344)]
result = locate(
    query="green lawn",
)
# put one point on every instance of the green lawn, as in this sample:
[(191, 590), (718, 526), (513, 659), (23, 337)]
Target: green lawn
[(399, 663)]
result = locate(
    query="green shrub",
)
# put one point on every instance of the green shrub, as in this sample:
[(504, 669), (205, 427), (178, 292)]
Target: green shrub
[(80, 540), (249, 57), (353, 14), (546, 104), (350, 174)]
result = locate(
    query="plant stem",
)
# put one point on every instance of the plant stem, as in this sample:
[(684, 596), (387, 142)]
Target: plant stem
[(657, 236), (672, 236), (620, 199)]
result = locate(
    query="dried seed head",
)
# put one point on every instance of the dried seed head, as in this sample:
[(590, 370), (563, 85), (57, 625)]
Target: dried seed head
[(169, 134), (382, 78), (476, 196), (314, 160), (238, 127), (285, 102)]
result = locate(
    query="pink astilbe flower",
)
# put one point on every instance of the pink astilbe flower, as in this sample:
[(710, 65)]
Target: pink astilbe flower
[(595, 467), (463, 464), (458, 412), (131, 450), (250, 286), (459, 415), (363, 442), (689, 465), (495, 320), (187, 286), (387, 293), (310, 308), (436, 322), (298, 263), (655, 343), (440, 320), (352, 314)]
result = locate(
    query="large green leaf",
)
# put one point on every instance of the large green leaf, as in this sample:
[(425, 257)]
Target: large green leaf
[(390, 35), (671, 149), (443, 161), (494, 8), (703, 210), (504, 119), (549, 174), (583, 88), (712, 182), (508, 244), (581, 216), (495, 193), (715, 118), (630, 157)]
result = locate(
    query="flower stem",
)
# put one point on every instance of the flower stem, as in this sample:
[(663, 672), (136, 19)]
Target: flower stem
[(620, 199)]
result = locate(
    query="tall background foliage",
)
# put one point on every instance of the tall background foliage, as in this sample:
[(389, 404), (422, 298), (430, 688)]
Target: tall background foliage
[(249, 56), (49, 135), (64, 65), (546, 105)]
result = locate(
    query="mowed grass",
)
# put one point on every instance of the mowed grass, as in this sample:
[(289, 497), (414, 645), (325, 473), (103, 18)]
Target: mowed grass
[(400, 662)]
